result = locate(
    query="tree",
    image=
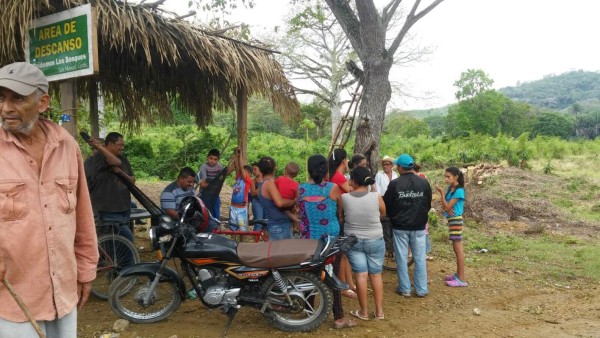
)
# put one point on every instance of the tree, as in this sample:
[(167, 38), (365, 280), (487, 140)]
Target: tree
[(262, 118), (471, 83), (367, 30), (480, 114), (485, 111), (316, 49), (437, 124), (516, 118), (317, 114), (405, 126), (553, 124), (587, 125)]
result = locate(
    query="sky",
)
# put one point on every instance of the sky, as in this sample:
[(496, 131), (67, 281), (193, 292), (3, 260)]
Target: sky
[(513, 41)]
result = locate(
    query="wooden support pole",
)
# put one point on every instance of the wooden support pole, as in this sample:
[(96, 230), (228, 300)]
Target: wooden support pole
[(68, 105), (94, 121), (242, 123)]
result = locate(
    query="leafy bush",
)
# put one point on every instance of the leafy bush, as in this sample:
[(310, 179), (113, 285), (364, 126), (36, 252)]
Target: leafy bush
[(548, 168), (162, 151)]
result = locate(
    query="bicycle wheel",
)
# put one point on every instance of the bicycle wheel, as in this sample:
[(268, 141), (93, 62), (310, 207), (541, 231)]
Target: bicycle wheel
[(116, 252)]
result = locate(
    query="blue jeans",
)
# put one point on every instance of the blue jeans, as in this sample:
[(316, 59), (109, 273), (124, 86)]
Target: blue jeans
[(257, 213), (216, 212), (367, 255), (118, 217), (279, 230), (416, 240)]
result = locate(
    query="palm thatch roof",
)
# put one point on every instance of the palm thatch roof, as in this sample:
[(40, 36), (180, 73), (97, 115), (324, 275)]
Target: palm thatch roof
[(147, 59)]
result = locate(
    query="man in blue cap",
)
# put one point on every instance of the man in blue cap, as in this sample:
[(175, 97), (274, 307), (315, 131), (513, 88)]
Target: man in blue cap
[(407, 201)]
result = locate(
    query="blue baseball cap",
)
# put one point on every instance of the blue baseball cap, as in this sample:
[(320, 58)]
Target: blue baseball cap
[(405, 161)]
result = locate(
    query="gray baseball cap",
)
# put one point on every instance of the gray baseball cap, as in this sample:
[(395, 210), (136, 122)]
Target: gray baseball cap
[(23, 78)]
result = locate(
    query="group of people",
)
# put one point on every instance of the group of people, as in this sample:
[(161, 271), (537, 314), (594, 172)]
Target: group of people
[(48, 240), (331, 202)]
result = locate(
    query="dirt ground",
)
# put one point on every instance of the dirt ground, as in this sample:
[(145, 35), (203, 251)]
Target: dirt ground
[(500, 301)]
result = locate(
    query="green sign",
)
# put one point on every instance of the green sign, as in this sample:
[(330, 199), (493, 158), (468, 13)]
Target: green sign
[(60, 44)]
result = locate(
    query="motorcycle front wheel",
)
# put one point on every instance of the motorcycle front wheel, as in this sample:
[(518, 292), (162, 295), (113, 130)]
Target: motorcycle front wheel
[(127, 296), (311, 302)]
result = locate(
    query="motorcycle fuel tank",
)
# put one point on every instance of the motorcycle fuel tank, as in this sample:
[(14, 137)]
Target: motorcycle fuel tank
[(213, 247)]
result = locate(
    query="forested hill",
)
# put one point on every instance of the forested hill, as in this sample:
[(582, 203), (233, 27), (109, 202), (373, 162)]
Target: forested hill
[(559, 92)]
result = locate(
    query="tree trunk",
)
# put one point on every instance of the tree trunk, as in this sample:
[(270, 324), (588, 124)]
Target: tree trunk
[(377, 92), (94, 120), (336, 118)]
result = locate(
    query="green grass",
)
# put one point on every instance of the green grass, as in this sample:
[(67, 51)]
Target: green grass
[(577, 186), (557, 257)]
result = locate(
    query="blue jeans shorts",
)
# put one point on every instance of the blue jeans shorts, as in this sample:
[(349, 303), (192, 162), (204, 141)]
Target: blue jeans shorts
[(279, 230), (367, 255), (238, 218)]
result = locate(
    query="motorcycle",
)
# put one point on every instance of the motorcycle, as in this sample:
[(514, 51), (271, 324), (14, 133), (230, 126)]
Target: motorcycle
[(288, 281)]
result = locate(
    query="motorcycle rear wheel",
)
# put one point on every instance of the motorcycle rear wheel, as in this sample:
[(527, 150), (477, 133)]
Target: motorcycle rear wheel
[(312, 301), (127, 293)]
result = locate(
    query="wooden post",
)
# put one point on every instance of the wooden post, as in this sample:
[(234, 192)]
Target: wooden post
[(242, 123), (68, 105), (94, 122)]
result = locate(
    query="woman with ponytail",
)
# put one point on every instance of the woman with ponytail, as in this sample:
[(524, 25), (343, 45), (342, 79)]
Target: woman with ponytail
[(362, 213), (337, 167), (453, 202), (320, 205)]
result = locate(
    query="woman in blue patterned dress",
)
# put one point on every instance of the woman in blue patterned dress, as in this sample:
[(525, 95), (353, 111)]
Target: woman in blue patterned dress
[(320, 205)]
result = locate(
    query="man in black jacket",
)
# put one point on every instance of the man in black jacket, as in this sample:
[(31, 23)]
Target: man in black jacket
[(407, 201)]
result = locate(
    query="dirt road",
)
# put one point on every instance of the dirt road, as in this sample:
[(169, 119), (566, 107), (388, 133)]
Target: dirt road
[(511, 304)]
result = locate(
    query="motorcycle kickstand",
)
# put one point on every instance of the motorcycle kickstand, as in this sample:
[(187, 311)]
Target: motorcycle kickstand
[(231, 312)]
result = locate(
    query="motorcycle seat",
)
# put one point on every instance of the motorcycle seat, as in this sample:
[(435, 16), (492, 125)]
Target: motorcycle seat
[(275, 254)]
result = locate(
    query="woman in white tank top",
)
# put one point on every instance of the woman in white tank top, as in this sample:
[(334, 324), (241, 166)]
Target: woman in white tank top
[(362, 213)]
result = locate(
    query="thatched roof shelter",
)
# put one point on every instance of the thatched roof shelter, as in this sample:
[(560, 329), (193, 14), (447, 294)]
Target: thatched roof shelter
[(147, 59)]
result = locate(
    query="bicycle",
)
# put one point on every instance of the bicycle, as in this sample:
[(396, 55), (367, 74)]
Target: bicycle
[(116, 253)]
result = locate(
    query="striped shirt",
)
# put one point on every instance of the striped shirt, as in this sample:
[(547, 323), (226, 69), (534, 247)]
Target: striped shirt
[(208, 172), (172, 195)]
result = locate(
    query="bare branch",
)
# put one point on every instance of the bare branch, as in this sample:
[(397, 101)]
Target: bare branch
[(349, 83), (388, 11), (411, 19), (348, 20), (314, 93)]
